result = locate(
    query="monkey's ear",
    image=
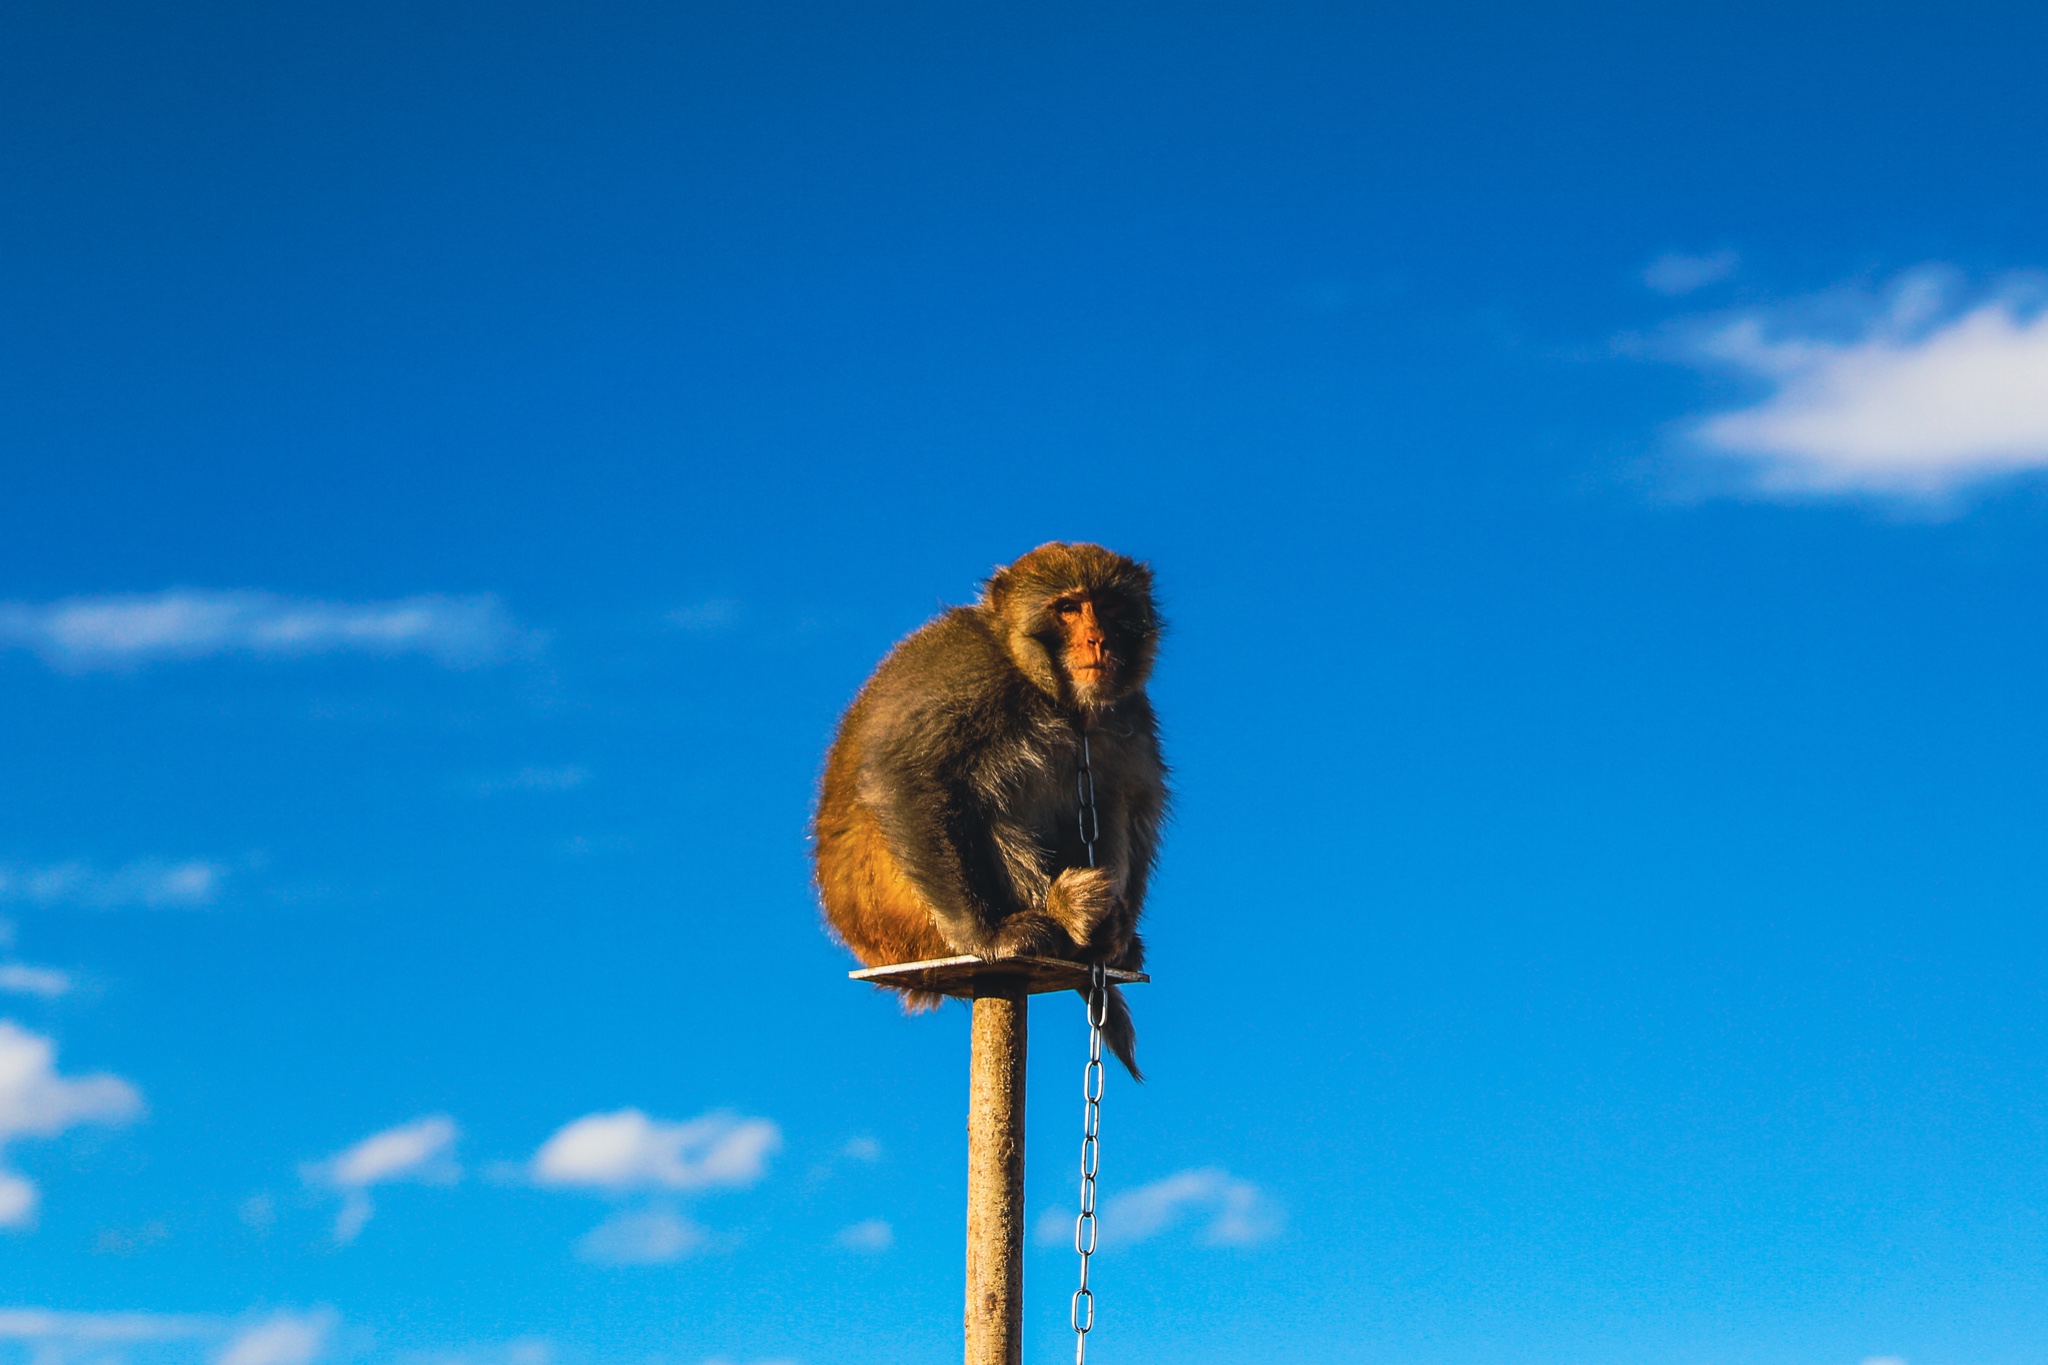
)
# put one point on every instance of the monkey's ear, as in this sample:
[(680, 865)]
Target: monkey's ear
[(1029, 654), (995, 589)]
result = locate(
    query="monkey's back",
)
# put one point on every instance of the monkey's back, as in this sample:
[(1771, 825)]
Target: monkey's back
[(869, 904)]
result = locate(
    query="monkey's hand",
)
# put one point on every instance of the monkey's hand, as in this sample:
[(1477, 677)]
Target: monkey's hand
[(1088, 903)]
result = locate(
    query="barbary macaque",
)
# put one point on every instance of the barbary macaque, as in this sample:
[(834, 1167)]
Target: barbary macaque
[(949, 819)]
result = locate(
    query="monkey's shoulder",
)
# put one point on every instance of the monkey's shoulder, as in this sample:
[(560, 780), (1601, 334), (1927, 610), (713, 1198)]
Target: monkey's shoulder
[(956, 649), (948, 684)]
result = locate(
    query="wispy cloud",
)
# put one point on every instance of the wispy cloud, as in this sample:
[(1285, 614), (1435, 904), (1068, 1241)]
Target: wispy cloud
[(515, 1351), (55, 1338), (41, 1324), (258, 1212), (1675, 272), (715, 614), (420, 1152), (859, 1150), (642, 1237), (124, 630), (627, 1150), (149, 882), (567, 777), (1215, 1207), (35, 1101), (1914, 392), (872, 1234), (21, 979), (129, 1241), (277, 1338)]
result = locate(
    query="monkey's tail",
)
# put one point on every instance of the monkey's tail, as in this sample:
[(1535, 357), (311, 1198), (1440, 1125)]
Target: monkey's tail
[(1118, 1033), (917, 1002)]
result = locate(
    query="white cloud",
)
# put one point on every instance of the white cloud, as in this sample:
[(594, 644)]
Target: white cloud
[(1909, 394), (280, 1339), (35, 1101), (628, 1150), (642, 1237), (1220, 1209), (22, 979), (150, 882), (1677, 273), (862, 1149), (81, 633), (420, 1152), (870, 1235)]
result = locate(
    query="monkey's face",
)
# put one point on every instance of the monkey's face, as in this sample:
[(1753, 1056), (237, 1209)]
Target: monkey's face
[(1078, 620), (1100, 643), (1085, 657)]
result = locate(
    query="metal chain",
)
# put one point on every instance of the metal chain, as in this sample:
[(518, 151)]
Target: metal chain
[(1081, 1313), (1084, 787)]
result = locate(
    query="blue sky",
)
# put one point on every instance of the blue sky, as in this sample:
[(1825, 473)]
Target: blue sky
[(457, 460)]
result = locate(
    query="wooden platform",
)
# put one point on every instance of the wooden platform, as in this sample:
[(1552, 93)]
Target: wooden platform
[(957, 976)]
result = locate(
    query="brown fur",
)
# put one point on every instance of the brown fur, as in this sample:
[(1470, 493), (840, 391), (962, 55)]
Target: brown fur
[(870, 905)]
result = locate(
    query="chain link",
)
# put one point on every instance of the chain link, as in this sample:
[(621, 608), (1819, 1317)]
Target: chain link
[(1081, 1312)]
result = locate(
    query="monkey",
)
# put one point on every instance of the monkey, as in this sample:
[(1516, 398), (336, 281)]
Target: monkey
[(949, 816)]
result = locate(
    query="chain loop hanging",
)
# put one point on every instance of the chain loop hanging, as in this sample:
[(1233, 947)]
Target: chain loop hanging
[(1081, 1312)]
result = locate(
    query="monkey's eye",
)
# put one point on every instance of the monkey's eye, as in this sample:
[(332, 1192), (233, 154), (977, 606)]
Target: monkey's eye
[(1067, 606)]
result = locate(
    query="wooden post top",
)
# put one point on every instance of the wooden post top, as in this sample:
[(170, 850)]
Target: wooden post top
[(959, 976)]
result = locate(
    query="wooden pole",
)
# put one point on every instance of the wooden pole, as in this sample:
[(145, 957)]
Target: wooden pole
[(995, 1174), (1001, 989)]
